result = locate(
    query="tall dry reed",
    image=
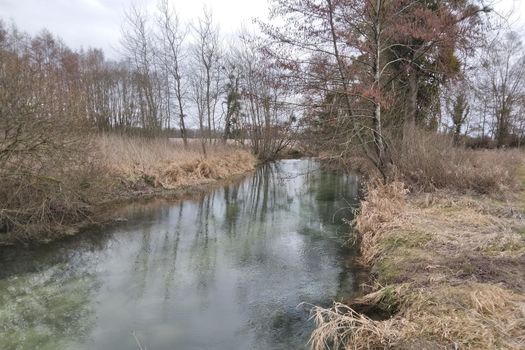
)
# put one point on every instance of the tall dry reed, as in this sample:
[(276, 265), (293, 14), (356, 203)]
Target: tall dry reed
[(167, 163), (428, 161)]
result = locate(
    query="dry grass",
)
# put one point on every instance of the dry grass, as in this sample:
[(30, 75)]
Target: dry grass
[(44, 196), (65, 189), (383, 204), (447, 267), (168, 164), (431, 161), (471, 316)]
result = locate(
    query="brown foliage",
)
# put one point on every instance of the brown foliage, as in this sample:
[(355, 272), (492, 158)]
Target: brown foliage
[(50, 200), (52, 169), (40, 143)]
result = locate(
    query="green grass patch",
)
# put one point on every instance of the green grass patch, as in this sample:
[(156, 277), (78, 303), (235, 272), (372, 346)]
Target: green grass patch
[(389, 301), (387, 271), (407, 239)]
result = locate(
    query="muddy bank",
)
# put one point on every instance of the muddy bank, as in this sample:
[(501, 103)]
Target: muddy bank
[(447, 272)]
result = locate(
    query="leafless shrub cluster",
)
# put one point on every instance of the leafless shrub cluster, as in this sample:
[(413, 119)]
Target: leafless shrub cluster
[(40, 146), (53, 166), (429, 161)]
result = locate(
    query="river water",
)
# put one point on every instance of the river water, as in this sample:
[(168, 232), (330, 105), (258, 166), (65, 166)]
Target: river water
[(228, 270)]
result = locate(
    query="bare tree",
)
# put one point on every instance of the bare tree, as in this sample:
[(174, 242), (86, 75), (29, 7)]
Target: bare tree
[(502, 82), (206, 74), (259, 95), (370, 63), (172, 57), (138, 49), (42, 120)]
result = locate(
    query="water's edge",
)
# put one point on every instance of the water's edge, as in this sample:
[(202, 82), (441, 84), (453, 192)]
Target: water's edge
[(225, 269), (105, 214)]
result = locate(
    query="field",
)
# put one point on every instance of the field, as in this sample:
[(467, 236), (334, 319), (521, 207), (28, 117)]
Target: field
[(167, 164)]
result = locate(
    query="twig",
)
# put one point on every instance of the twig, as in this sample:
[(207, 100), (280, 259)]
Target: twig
[(137, 341)]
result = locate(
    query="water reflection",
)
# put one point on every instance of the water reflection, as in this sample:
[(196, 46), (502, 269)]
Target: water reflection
[(225, 271)]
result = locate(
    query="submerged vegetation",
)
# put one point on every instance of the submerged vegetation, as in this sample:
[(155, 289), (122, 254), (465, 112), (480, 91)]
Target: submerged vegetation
[(173, 271)]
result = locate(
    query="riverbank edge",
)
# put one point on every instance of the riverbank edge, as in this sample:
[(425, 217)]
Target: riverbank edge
[(102, 212), (446, 271)]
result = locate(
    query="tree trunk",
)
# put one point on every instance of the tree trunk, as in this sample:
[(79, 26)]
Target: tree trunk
[(182, 126), (411, 106), (377, 124)]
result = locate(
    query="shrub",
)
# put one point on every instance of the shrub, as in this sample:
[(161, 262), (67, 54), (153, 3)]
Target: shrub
[(428, 161)]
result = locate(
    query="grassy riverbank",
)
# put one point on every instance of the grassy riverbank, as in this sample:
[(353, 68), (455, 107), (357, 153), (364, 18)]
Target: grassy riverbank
[(447, 267), (65, 192), (167, 164)]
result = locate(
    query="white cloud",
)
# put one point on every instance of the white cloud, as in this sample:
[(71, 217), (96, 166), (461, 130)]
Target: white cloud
[(97, 23)]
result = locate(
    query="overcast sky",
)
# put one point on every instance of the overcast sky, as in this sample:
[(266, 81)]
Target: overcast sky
[(97, 23)]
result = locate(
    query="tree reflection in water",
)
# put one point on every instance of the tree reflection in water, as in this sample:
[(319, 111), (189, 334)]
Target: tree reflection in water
[(224, 271)]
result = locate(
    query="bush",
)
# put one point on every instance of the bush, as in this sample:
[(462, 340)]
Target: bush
[(45, 200), (429, 161), (44, 193)]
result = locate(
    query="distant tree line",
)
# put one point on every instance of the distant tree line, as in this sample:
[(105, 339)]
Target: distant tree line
[(172, 76), (487, 102)]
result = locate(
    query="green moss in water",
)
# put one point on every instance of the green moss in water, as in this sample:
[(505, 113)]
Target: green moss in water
[(38, 313)]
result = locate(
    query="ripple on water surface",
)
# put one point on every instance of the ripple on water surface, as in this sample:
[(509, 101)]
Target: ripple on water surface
[(225, 271)]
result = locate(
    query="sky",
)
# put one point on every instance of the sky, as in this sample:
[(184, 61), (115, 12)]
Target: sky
[(97, 23)]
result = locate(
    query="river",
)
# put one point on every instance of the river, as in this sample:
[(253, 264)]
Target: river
[(227, 270)]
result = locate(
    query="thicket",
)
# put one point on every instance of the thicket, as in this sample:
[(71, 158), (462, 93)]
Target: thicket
[(41, 148), (433, 161), (54, 163)]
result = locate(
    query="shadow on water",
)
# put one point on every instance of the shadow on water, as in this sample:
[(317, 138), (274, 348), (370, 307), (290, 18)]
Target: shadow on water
[(225, 271)]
